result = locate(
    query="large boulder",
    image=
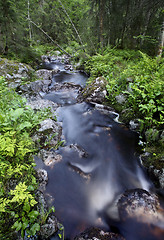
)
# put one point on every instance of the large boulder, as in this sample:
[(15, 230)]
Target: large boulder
[(14, 72), (138, 203), (141, 215), (95, 91), (34, 88)]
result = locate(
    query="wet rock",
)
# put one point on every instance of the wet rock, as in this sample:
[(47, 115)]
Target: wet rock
[(48, 135), (159, 174), (141, 215), (98, 234), (43, 104), (55, 71), (81, 152), (138, 203), (42, 177), (49, 125), (49, 157), (95, 91), (68, 67), (49, 222), (35, 87), (134, 125), (48, 229), (45, 59), (42, 205), (66, 86), (44, 74), (162, 136)]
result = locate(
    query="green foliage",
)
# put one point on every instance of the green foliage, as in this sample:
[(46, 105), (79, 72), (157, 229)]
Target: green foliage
[(17, 176), (140, 79)]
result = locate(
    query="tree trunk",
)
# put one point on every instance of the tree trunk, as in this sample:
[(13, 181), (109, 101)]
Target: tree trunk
[(125, 24), (29, 23), (50, 38), (101, 23), (161, 45), (72, 24)]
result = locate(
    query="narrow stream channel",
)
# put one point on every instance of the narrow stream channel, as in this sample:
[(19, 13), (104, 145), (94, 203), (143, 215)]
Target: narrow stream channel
[(85, 186)]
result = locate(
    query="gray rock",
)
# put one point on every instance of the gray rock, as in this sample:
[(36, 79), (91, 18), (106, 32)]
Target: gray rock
[(48, 124), (42, 205), (134, 124), (120, 99), (129, 79), (48, 135), (42, 177), (44, 74), (49, 228), (36, 87), (49, 157), (45, 59), (138, 203), (160, 176), (152, 134), (162, 136), (43, 104), (94, 92), (57, 53), (68, 67), (15, 72)]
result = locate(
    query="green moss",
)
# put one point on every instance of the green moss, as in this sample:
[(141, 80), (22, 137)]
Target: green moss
[(156, 157)]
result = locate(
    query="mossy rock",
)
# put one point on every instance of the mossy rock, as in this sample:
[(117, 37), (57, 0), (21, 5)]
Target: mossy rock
[(15, 72)]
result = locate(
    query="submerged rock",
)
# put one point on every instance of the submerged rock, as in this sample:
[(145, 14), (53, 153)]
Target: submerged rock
[(98, 234)]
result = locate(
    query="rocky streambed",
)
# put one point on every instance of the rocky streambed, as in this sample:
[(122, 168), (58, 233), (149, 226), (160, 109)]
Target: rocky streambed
[(87, 165)]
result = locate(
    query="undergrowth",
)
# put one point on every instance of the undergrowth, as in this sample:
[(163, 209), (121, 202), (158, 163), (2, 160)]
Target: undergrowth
[(140, 80), (18, 184)]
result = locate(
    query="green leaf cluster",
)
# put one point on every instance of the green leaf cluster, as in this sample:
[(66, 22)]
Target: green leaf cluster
[(18, 206), (140, 79)]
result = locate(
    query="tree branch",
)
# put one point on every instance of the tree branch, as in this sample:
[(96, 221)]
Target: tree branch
[(49, 38)]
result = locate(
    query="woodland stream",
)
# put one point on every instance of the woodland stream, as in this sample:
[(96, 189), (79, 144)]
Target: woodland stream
[(85, 186)]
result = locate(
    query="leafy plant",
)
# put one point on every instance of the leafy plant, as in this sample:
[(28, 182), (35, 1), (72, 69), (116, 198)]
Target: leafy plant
[(139, 78), (18, 206)]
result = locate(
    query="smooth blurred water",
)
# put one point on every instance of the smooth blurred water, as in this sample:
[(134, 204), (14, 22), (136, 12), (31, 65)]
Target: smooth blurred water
[(85, 188)]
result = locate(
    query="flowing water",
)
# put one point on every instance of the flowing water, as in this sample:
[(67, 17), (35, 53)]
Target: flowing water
[(85, 186)]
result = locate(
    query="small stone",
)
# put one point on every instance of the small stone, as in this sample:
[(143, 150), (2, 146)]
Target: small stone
[(120, 99), (134, 124)]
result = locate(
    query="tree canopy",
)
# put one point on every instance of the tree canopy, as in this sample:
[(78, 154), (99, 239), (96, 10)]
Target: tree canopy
[(95, 24)]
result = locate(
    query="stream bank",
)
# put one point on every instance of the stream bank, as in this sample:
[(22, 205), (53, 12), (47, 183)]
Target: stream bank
[(84, 184)]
